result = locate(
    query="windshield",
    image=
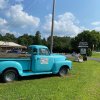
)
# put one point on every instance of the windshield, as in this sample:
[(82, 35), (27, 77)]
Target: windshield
[(44, 51)]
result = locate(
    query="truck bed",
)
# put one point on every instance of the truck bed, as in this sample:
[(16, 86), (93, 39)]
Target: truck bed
[(13, 55), (23, 59)]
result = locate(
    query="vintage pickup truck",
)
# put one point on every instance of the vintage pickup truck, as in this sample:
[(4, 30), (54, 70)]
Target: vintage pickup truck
[(39, 61)]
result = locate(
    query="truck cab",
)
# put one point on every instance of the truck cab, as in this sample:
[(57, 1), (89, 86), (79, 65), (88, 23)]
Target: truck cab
[(41, 59), (38, 61)]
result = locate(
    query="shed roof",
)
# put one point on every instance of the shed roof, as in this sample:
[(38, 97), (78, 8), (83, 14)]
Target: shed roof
[(10, 44)]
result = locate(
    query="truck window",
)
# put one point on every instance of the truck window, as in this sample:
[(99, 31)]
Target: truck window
[(32, 51), (43, 51)]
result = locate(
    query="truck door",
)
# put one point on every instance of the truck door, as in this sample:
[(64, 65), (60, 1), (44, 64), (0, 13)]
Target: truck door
[(44, 61)]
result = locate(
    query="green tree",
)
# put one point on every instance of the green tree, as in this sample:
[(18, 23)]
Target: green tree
[(44, 42), (37, 38), (9, 37), (1, 37), (60, 44), (96, 39), (92, 37), (25, 40)]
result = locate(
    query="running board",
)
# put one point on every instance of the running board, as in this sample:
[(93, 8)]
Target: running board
[(32, 73)]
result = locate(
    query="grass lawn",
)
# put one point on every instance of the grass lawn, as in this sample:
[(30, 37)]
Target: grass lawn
[(82, 83), (96, 55)]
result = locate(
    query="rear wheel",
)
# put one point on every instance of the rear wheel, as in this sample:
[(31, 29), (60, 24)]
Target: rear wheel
[(63, 71), (10, 75)]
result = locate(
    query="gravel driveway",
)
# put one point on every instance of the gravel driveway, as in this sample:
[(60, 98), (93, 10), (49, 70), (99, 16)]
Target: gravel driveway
[(96, 59)]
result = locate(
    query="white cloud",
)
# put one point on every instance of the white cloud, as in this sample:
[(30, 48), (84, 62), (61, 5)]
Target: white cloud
[(3, 26), (3, 22), (97, 28), (95, 23), (19, 18), (3, 4), (19, 21), (4, 31), (65, 24)]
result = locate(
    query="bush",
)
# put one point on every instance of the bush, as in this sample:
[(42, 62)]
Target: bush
[(89, 52)]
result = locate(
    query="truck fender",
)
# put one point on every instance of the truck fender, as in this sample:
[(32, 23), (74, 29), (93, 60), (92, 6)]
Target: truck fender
[(60, 64), (11, 64)]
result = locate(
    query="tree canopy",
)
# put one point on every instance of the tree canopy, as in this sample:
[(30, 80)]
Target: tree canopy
[(92, 37), (61, 44)]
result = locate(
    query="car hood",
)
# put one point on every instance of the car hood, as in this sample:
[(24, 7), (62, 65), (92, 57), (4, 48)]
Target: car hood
[(59, 57)]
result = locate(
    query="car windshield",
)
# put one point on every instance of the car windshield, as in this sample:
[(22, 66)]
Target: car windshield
[(43, 51)]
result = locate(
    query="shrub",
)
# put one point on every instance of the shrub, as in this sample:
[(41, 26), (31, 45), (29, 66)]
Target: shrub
[(89, 52)]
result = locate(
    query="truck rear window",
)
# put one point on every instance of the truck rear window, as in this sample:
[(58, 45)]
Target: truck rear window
[(32, 51)]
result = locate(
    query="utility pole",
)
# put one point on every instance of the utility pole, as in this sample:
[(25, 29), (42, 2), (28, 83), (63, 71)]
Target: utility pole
[(52, 26)]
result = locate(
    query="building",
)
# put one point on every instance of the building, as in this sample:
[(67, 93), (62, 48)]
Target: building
[(5, 46)]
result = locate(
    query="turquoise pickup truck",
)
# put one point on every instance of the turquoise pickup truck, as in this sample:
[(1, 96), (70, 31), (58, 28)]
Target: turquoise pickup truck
[(39, 61)]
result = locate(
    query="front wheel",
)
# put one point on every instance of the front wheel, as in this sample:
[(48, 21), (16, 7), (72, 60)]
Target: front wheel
[(63, 71), (10, 75)]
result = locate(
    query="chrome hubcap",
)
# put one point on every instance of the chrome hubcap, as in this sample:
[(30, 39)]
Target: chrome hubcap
[(63, 72), (10, 76)]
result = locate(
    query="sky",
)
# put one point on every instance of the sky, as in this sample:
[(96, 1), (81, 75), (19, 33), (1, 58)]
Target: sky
[(28, 16)]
